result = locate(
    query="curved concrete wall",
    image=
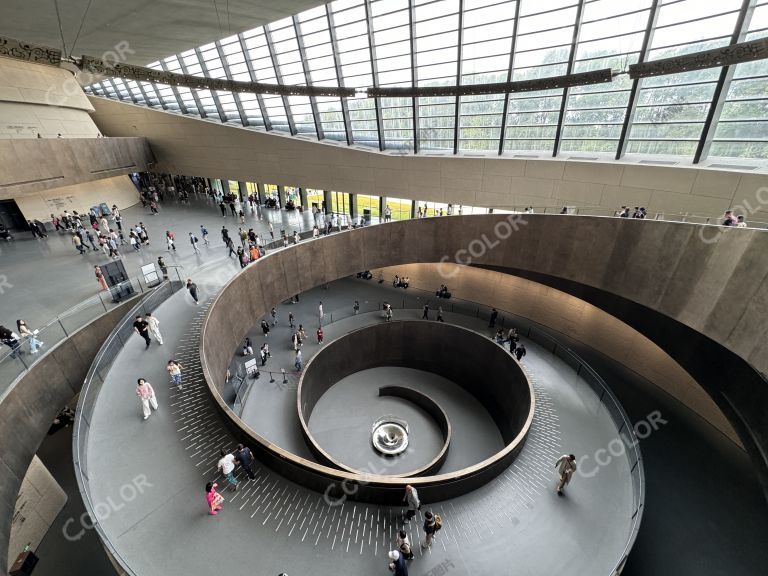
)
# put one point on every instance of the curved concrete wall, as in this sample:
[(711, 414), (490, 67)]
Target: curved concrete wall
[(569, 315), (29, 407), (450, 351), (700, 296), (187, 145)]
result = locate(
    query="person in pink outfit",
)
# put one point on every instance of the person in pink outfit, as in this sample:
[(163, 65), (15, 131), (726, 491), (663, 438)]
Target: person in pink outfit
[(146, 394), (213, 498)]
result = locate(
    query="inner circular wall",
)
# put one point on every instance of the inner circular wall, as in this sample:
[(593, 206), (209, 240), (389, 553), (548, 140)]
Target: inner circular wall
[(342, 418), (475, 363)]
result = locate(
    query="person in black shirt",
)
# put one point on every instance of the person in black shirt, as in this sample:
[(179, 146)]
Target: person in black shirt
[(142, 329), (244, 457)]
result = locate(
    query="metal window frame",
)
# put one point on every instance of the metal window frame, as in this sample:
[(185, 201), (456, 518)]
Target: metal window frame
[(374, 73), (457, 102), (204, 68), (252, 74), (569, 70), (339, 75), (723, 84), (414, 99), (179, 101), (510, 70), (279, 78), (305, 68), (144, 93), (228, 74), (634, 92)]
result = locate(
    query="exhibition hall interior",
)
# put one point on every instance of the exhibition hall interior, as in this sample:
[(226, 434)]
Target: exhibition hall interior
[(426, 287)]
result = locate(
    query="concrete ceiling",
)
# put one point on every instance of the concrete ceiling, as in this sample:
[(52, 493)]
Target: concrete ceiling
[(153, 29)]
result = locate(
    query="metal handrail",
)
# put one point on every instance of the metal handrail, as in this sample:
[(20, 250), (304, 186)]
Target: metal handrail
[(539, 333), (103, 360)]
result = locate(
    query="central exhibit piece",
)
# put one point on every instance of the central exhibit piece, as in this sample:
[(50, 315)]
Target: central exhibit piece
[(390, 435)]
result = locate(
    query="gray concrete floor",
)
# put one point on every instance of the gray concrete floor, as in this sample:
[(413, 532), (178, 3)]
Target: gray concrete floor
[(709, 528), (294, 530), (341, 422)]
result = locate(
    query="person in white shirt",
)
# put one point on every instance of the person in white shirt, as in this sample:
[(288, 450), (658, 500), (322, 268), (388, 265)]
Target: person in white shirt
[(227, 466), (154, 327), (566, 466), (146, 394)]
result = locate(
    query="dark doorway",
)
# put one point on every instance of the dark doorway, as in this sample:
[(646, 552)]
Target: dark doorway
[(11, 217)]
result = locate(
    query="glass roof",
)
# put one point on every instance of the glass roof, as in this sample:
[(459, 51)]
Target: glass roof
[(717, 112)]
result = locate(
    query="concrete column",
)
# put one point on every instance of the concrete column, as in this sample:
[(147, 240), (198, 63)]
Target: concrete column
[(243, 191), (225, 185), (327, 196), (413, 209), (281, 195), (353, 205), (260, 192), (303, 198), (382, 205)]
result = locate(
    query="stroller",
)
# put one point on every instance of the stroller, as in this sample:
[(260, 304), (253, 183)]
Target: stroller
[(5, 234)]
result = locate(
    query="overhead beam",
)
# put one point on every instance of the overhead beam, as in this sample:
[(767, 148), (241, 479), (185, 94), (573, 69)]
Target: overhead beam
[(307, 78), (252, 74), (723, 83), (374, 74), (510, 72), (228, 74), (634, 92), (414, 99), (339, 75), (569, 70), (279, 78)]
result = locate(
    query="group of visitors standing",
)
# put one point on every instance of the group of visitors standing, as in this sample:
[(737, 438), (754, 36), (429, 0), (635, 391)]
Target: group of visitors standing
[(403, 552)]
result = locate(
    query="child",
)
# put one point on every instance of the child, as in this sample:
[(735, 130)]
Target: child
[(320, 335)]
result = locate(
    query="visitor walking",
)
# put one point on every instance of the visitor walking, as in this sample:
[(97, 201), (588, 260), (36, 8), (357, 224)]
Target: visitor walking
[(193, 241), (174, 369), (213, 499), (320, 335), (297, 361), (25, 332), (356, 307), (100, 278), (397, 563), (404, 545), (154, 327), (244, 457), (170, 240), (273, 313), (204, 234), (520, 352), (146, 394), (414, 504), (440, 314), (141, 327), (566, 466), (265, 328), (494, 315), (290, 319), (192, 287), (162, 266), (425, 315), (320, 312), (432, 524), (227, 466)]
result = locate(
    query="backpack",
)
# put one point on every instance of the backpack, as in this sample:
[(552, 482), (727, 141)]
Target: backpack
[(438, 522), (194, 239)]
